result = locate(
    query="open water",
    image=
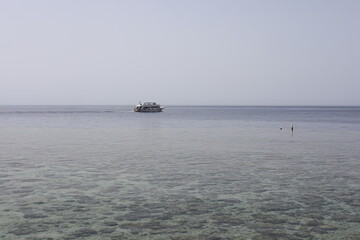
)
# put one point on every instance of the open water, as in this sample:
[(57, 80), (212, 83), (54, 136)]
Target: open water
[(190, 172)]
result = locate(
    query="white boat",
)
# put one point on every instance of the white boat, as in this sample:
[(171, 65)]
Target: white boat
[(148, 107)]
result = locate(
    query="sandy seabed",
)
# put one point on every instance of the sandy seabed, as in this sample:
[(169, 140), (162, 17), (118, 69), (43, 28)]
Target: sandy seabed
[(178, 184)]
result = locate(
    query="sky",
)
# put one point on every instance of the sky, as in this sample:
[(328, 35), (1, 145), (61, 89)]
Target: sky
[(180, 52)]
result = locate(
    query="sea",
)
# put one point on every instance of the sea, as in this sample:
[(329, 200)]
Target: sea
[(189, 172)]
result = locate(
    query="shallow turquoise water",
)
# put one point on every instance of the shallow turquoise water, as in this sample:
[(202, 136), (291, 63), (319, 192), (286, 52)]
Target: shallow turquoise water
[(245, 180)]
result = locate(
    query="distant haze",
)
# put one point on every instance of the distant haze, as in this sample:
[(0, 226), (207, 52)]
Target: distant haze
[(201, 52)]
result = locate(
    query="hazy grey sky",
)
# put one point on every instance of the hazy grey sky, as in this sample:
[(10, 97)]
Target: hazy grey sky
[(252, 52)]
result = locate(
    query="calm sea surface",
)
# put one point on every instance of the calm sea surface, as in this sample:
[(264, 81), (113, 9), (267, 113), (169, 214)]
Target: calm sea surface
[(190, 172)]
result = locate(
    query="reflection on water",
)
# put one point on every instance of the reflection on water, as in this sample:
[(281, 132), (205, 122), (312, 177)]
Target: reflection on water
[(185, 183)]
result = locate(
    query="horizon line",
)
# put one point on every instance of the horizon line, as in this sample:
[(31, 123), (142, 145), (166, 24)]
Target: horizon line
[(220, 105)]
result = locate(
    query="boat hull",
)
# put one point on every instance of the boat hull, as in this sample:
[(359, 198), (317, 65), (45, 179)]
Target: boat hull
[(140, 110), (148, 109)]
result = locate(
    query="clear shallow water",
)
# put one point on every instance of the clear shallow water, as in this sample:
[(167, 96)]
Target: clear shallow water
[(103, 172)]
